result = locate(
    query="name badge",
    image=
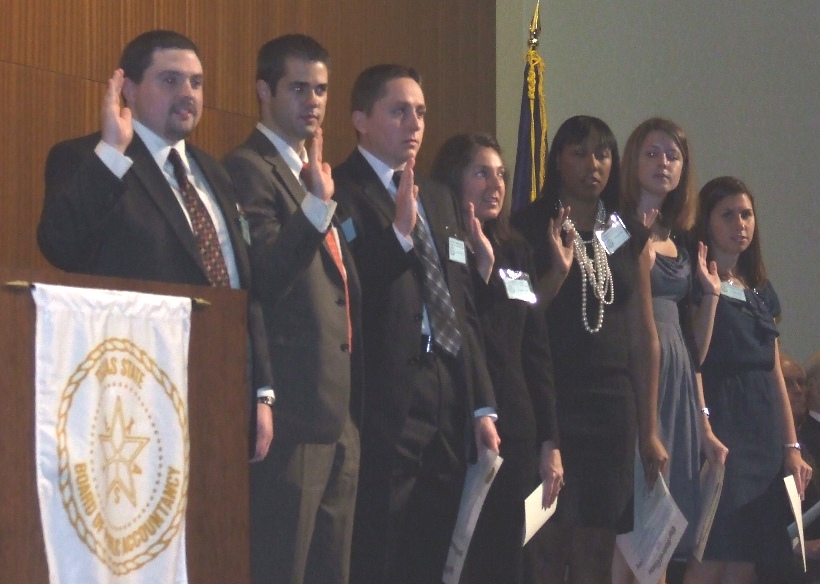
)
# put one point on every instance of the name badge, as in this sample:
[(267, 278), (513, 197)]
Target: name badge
[(458, 251), (733, 291), (348, 229), (613, 234), (518, 285), (244, 227)]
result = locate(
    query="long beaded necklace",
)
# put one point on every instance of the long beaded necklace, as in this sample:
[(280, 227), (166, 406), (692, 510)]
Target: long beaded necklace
[(594, 271)]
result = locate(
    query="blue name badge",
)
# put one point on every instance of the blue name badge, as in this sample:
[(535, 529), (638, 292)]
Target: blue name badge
[(348, 229), (733, 291)]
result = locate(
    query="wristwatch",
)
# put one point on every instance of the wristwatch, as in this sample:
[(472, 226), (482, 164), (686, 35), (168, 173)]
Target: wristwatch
[(265, 399)]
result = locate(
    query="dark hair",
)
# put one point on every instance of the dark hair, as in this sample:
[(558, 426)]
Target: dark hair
[(138, 54), (678, 209), (750, 263), (270, 61), (575, 131), (369, 85), (453, 158)]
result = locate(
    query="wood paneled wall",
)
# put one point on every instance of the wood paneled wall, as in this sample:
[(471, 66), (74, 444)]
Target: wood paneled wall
[(56, 55)]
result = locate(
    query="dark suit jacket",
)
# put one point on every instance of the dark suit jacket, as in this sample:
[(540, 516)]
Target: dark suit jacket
[(518, 351), (303, 298), (392, 299), (95, 223)]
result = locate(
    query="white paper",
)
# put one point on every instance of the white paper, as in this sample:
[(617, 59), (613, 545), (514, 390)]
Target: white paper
[(794, 501), (535, 515), (808, 518), (480, 477), (649, 547), (711, 485)]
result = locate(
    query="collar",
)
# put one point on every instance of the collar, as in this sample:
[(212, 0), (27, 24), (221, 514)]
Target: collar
[(382, 170), (158, 147), (293, 159), (815, 415)]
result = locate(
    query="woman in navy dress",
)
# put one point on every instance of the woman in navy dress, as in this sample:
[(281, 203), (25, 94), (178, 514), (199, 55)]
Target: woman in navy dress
[(518, 358), (745, 393)]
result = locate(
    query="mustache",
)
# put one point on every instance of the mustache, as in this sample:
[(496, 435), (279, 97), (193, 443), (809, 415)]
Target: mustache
[(185, 104)]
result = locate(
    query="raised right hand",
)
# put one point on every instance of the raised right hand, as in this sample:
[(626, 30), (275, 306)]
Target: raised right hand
[(561, 250), (406, 206), (117, 129)]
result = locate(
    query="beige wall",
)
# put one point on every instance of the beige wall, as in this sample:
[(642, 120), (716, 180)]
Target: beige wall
[(741, 76)]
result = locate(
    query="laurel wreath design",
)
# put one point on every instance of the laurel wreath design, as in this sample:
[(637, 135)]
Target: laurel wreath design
[(63, 470)]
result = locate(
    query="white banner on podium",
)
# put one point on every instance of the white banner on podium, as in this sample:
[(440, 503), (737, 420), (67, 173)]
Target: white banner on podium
[(112, 448)]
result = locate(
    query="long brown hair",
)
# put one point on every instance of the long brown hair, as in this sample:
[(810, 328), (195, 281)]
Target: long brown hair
[(677, 212), (453, 158), (750, 263)]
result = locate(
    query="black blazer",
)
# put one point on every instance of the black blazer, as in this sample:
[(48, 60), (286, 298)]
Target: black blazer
[(392, 301), (303, 299), (95, 223), (518, 350)]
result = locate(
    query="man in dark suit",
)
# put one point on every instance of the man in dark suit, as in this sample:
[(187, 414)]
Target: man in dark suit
[(304, 493), (137, 201), (427, 393)]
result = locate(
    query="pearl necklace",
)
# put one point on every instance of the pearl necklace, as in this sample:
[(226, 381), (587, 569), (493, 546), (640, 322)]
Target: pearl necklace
[(594, 271)]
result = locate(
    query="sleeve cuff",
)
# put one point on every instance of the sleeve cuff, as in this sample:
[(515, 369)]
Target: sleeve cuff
[(265, 392), (318, 212), (405, 242), (117, 162), (489, 412)]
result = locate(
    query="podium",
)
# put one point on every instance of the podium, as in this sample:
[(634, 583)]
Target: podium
[(217, 546)]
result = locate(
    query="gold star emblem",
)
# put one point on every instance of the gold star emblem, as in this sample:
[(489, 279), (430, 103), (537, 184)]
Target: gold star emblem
[(120, 449)]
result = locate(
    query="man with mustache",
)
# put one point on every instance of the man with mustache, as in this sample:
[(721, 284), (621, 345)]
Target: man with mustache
[(136, 200), (303, 494)]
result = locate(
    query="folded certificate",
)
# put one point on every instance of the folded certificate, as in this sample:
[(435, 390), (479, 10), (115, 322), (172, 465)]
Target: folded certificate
[(479, 478), (794, 501), (711, 485), (535, 514), (649, 547)]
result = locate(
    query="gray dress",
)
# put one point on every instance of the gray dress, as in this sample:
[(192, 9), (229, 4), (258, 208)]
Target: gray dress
[(678, 411)]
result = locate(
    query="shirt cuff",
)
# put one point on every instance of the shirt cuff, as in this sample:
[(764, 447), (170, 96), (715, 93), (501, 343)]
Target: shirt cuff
[(318, 212), (489, 412), (117, 162), (405, 242), (265, 392)]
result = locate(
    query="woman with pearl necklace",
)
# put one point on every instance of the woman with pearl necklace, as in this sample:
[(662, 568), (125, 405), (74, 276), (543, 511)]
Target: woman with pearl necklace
[(592, 268)]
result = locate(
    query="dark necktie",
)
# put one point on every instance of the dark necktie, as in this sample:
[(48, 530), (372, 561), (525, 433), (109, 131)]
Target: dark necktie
[(202, 225), (336, 254), (437, 299)]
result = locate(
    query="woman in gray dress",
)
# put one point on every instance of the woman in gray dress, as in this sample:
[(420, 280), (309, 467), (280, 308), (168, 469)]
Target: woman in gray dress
[(658, 187)]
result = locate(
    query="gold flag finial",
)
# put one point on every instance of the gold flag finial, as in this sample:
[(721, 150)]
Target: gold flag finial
[(535, 26)]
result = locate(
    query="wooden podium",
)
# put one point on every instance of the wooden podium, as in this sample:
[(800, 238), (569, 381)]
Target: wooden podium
[(217, 513)]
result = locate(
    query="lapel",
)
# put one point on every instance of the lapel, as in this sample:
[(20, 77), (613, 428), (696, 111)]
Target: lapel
[(283, 175), (372, 186), (156, 186), (381, 199), (227, 205), (279, 169)]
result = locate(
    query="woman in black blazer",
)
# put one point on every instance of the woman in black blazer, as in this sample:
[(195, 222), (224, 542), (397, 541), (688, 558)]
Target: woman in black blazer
[(517, 353)]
